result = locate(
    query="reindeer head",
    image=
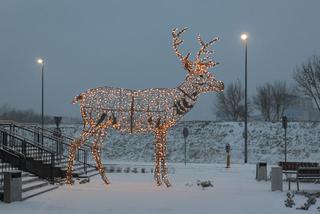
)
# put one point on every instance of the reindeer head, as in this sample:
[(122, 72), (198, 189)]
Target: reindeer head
[(198, 74)]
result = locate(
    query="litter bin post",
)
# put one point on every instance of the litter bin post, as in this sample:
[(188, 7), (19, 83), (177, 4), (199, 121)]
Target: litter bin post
[(228, 148), (276, 178), (261, 171), (12, 189)]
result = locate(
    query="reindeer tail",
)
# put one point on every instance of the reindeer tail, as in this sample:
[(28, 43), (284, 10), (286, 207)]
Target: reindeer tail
[(77, 98)]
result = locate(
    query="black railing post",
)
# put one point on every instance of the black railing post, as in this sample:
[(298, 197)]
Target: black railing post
[(5, 138), (11, 131), (38, 137), (52, 167), (57, 146), (12, 140), (22, 162), (34, 131), (24, 148), (1, 139)]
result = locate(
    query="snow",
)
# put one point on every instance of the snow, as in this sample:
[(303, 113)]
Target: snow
[(235, 191), (207, 140)]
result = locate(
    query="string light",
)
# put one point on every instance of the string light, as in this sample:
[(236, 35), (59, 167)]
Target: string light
[(153, 110)]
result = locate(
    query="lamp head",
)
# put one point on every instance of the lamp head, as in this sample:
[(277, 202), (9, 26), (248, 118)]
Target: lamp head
[(40, 61), (244, 37)]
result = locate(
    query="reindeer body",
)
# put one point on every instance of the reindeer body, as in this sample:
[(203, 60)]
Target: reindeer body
[(152, 110), (134, 111)]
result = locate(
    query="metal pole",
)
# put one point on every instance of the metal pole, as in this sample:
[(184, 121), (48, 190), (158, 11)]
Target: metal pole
[(185, 151), (246, 106), (285, 145), (42, 103)]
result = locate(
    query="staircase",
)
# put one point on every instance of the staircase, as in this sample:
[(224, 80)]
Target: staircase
[(41, 155), (31, 184)]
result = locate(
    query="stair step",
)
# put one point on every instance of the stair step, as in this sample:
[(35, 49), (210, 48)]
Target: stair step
[(66, 164), (34, 185), (38, 191), (75, 168), (29, 179), (26, 174), (90, 172)]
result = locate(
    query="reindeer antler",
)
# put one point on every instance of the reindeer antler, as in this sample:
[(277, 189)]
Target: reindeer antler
[(203, 50), (177, 41)]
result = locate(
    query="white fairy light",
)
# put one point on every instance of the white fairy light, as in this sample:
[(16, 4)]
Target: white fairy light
[(153, 110)]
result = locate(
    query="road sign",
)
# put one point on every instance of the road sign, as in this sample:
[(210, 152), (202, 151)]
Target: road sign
[(185, 132)]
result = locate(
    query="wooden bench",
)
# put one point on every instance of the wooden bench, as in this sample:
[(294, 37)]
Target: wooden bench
[(307, 173), (290, 169)]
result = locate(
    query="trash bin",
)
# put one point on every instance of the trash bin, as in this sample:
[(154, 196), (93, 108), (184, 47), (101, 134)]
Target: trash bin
[(12, 188), (261, 171), (276, 178)]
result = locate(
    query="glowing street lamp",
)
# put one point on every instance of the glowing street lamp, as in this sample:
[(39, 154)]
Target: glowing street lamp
[(244, 38), (41, 62)]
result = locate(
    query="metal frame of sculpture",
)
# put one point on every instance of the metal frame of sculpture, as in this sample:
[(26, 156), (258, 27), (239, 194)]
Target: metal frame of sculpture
[(152, 110)]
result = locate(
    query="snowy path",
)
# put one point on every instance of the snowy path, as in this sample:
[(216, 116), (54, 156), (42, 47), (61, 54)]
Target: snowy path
[(235, 191)]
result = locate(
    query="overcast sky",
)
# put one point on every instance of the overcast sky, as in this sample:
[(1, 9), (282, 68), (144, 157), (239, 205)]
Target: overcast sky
[(120, 43)]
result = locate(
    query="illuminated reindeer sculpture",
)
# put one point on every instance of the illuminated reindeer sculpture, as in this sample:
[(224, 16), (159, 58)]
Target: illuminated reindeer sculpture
[(152, 110)]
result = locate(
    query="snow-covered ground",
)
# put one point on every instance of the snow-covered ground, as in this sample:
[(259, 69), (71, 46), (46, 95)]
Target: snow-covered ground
[(207, 140), (235, 191)]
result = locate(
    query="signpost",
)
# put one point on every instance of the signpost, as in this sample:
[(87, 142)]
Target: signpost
[(285, 126), (185, 133)]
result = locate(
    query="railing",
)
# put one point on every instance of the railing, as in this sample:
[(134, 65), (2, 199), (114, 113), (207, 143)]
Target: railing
[(58, 144), (13, 143)]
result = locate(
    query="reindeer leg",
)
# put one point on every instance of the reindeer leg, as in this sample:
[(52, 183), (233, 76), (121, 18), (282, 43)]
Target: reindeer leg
[(158, 149), (164, 168), (96, 151), (72, 154)]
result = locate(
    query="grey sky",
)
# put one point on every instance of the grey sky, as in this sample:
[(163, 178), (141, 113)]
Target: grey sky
[(128, 44)]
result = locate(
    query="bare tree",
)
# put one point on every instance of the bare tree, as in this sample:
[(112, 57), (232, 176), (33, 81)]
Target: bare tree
[(282, 98), (230, 103), (273, 99), (307, 77), (263, 101)]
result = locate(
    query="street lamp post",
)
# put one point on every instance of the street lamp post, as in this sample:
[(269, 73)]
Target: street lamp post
[(41, 62), (244, 38)]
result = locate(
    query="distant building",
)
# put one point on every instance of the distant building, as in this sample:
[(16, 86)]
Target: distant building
[(302, 110)]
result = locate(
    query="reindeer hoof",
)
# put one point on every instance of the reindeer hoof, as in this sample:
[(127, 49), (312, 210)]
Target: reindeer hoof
[(70, 182), (158, 181), (106, 183), (168, 184), (105, 179)]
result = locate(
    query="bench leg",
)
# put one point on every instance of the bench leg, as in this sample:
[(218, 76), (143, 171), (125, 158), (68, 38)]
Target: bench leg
[(298, 184), (289, 184)]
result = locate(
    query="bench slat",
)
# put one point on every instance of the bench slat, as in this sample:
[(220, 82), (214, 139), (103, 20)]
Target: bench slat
[(293, 166)]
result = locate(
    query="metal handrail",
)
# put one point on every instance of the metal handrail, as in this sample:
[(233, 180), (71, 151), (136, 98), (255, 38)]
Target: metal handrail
[(63, 140), (28, 149)]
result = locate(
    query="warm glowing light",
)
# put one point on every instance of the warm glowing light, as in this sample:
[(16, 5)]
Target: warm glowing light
[(153, 110), (244, 37), (40, 61)]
